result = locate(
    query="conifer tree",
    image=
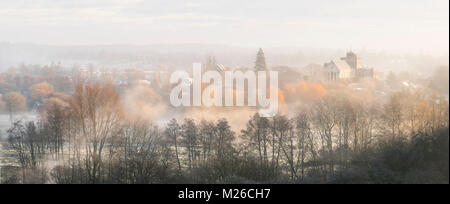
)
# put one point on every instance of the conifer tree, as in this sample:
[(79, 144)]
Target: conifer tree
[(260, 64)]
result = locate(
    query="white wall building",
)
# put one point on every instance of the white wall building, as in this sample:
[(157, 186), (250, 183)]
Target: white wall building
[(348, 67)]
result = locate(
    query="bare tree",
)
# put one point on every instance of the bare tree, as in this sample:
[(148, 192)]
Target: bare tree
[(173, 134), (98, 111)]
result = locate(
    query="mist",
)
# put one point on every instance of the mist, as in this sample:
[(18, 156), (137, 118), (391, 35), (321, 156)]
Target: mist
[(363, 92), (181, 56)]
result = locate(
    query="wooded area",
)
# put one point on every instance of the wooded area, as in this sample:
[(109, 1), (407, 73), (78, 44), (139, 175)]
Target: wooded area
[(90, 139)]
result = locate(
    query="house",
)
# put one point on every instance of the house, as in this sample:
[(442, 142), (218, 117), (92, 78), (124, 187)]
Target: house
[(287, 74), (313, 72)]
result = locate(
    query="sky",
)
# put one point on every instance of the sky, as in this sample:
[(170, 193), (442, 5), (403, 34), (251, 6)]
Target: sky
[(400, 26)]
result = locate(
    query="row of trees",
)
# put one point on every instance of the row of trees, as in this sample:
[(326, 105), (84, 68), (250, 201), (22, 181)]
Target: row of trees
[(14, 102), (22, 77), (88, 138)]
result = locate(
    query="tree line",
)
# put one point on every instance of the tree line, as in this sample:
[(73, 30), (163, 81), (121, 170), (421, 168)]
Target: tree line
[(89, 138)]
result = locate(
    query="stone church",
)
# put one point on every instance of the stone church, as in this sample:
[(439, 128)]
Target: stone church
[(348, 67)]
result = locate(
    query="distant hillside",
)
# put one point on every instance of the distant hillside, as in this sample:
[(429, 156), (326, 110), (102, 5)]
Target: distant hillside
[(183, 55)]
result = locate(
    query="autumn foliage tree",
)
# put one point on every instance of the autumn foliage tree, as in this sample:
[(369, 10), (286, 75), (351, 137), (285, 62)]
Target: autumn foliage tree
[(304, 92), (41, 90), (14, 102)]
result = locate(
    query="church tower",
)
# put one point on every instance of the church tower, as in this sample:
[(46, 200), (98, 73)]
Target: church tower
[(353, 60)]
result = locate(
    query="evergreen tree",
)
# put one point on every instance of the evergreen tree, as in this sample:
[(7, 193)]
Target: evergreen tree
[(260, 64)]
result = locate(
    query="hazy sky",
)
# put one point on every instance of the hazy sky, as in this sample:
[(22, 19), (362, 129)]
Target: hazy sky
[(391, 25)]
